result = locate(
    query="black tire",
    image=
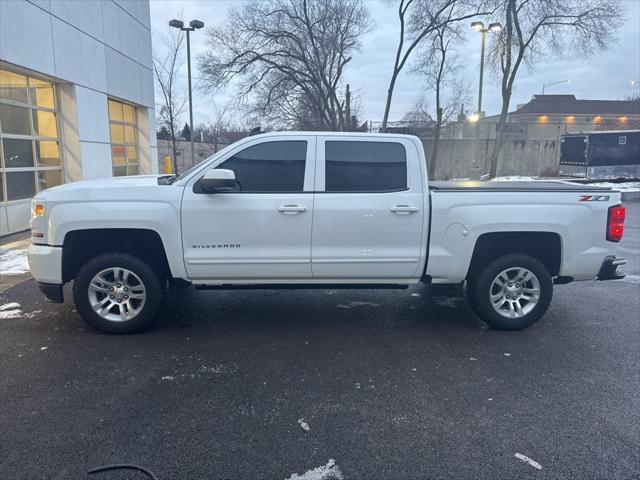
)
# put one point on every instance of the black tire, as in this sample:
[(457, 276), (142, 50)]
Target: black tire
[(149, 278), (479, 292)]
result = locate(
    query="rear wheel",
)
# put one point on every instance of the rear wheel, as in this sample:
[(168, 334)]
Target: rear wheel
[(512, 292), (117, 293)]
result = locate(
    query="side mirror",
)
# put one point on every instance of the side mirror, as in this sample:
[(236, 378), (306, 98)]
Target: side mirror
[(216, 181)]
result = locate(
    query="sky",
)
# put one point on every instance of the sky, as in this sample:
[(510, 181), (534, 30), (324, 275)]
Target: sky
[(605, 76)]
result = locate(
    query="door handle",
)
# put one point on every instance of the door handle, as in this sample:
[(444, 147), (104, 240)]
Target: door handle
[(403, 209), (292, 209)]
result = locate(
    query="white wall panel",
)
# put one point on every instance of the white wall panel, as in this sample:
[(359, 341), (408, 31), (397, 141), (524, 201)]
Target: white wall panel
[(123, 77), (25, 36), (146, 84), (96, 160), (129, 5), (88, 18), (18, 215), (120, 30), (46, 4), (144, 42), (144, 13), (151, 114), (93, 115), (79, 58), (154, 161), (4, 226)]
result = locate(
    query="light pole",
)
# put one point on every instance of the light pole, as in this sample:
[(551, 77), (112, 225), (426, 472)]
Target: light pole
[(479, 27), (544, 85), (193, 25)]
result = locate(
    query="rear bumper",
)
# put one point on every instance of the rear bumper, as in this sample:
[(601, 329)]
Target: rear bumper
[(52, 292), (609, 268)]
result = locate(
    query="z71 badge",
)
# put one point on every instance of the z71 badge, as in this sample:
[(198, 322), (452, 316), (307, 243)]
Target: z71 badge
[(594, 198)]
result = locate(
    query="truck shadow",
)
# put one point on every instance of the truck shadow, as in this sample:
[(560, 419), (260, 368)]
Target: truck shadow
[(419, 307)]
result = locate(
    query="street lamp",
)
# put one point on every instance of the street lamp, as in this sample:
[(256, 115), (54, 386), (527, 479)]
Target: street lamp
[(544, 85), (193, 25), (479, 27)]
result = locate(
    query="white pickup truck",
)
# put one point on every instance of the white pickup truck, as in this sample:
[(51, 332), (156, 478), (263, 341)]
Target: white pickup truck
[(319, 210)]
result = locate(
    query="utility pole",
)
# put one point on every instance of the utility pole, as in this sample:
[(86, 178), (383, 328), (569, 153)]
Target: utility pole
[(193, 25), (479, 27)]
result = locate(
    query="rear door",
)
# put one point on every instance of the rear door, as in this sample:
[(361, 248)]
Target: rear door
[(368, 209)]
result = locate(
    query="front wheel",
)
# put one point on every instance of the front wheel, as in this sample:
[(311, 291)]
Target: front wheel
[(512, 292), (117, 293)]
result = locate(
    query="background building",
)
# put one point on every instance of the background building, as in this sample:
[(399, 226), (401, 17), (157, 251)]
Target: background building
[(76, 97)]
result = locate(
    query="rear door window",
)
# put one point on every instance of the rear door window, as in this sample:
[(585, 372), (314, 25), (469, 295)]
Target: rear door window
[(352, 166)]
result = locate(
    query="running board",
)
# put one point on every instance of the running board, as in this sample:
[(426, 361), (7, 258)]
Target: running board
[(304, 286)]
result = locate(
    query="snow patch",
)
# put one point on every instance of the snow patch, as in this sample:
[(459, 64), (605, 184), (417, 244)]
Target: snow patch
[(16, 313), (305, 426), (42, 349), (632, 279), (10, 310), (623, 186), (514, 178), (13, 262), (330, 471), (9, 306), (528, 460)]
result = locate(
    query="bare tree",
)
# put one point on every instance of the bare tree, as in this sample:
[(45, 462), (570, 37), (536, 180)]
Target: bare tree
[(419, 112), (288, 58), (536, 27), (219, 121), (441, 68), (167, 64), (421, 18)]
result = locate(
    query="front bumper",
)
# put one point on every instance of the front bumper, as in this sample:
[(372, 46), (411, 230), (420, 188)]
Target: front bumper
[(45, 263), (609, 268)]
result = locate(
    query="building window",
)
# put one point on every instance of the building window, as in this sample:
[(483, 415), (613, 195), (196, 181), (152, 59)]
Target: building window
[(29, 137), (123, 125)]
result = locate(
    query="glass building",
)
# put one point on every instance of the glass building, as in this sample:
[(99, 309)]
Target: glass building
[(76, 97)]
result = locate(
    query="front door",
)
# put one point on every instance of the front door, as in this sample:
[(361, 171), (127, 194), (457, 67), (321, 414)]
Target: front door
[(262, 230), (369, 209)]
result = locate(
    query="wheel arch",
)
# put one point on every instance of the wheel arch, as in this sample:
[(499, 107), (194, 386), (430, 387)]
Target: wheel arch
[(545, 246), (79, 246)]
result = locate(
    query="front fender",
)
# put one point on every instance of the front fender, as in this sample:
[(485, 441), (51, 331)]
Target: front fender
[(162, 218)]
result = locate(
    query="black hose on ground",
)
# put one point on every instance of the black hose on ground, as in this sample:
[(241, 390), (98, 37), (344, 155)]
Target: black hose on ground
[(129, 466)]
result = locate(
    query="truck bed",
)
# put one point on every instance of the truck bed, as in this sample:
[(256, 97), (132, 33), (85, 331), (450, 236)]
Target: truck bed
[(525, 186)]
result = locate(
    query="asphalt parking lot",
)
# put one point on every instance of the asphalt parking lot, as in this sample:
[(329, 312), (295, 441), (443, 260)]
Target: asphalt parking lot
[(341, 384)]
